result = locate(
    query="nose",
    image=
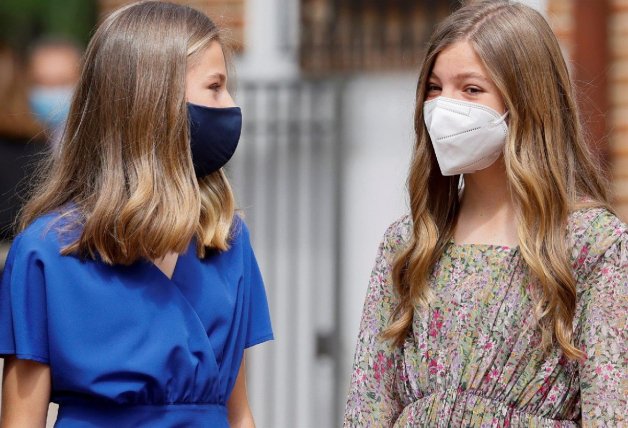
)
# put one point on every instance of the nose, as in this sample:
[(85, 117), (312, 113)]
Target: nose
[(450, 92), (227, 100)]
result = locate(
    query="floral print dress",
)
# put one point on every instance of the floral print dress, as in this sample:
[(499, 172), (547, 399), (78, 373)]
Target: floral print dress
[(473, 358)]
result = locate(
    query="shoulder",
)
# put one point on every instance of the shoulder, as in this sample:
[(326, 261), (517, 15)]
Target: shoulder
[(33, 248), (589, 223), (595, 234), (595, 228), (42, 233), (239, 231), (396, 238), (239, 240), (397, 235), (47, 234)]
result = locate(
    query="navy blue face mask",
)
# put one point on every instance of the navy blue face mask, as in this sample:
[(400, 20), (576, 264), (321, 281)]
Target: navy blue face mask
[(214, 136)]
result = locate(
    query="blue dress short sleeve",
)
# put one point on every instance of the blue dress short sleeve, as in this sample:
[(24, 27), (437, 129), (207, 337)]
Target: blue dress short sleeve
[(23, 312), (258, 328)]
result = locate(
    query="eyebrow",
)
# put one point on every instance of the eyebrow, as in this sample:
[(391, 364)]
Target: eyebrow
[(219, 76), (462, 76)]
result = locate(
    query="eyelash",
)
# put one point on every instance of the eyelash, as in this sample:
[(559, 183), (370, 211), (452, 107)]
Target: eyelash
[(473, 90), (432, 87), (215, 87)]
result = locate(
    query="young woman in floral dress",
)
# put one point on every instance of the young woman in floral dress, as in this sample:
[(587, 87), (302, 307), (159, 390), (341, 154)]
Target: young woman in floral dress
[(501, 299)]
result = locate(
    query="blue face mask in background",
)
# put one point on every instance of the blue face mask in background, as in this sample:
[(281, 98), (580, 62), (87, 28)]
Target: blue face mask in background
[(51, 105), (214, 136)]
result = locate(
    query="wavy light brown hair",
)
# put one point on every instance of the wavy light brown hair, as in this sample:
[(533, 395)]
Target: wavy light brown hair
[(124, 173), (549, 168)]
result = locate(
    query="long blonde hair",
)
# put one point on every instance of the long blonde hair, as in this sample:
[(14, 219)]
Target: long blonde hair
[(124, 173), (549, 167)]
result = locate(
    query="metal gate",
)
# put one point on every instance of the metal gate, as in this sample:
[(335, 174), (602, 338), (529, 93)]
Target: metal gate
[(286, 176)]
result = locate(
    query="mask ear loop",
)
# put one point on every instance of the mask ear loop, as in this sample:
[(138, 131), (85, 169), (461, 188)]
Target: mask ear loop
[(499, 120)]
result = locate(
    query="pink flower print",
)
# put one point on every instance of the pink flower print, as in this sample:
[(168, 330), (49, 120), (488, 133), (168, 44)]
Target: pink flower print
[(483, 339), (360, 375), (494, 374), (544, 389), (381, 365), (586, 356), (436, 323), (490, 375), (582, 257), (548, 368), (433, 367)]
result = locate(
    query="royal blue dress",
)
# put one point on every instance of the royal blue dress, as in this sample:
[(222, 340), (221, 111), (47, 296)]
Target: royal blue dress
[(126, 345)]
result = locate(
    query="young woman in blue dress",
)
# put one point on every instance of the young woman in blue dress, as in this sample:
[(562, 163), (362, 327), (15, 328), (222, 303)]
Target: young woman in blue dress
[(132, 290)]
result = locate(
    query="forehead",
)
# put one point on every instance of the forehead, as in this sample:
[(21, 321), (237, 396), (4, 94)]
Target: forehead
[(458, 58), (55, 65), (47, 54), (211, 59)]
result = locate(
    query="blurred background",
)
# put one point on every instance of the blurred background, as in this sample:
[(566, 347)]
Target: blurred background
[(327, 91)]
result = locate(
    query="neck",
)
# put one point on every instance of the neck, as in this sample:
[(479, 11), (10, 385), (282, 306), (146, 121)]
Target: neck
[(487, 191), (487, 214)]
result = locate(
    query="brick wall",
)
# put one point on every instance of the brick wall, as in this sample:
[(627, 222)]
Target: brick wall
[(618, 87), (228, 14), (561, 16)]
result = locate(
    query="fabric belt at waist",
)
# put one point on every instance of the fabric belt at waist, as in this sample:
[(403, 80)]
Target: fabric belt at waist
[(85, 414)]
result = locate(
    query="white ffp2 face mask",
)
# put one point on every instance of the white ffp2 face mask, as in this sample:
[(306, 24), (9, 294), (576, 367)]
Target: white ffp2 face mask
[(466, 137)]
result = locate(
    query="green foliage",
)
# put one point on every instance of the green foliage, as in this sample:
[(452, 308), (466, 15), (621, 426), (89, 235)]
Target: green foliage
[(22, 21)]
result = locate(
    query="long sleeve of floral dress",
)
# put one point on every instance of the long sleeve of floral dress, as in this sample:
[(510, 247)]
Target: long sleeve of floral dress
[(373, 400), (602, 274)]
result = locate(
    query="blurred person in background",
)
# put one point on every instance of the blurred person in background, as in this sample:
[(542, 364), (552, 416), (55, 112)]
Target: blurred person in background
[(53, 72), (501, 300), (21, 140)]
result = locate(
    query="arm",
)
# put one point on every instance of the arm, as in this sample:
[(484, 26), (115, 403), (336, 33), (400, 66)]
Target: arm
[(603, 337), (25, 393), (238, 409), (373, 400)]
